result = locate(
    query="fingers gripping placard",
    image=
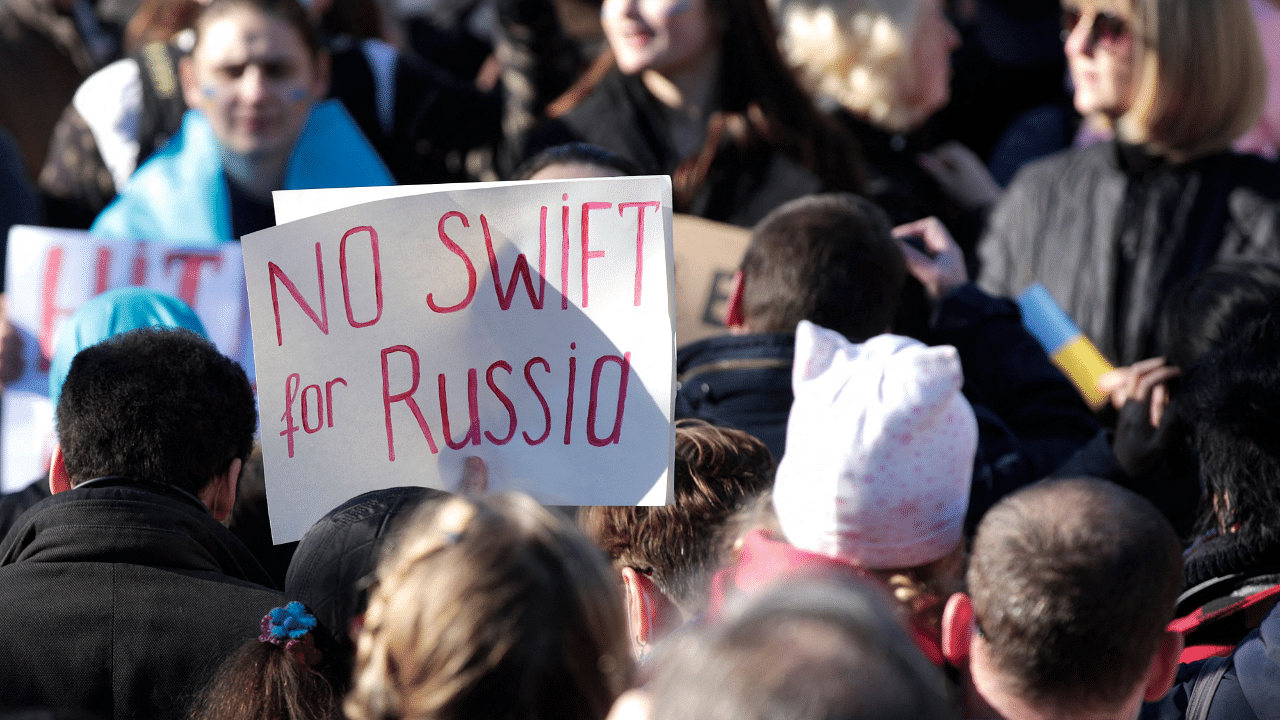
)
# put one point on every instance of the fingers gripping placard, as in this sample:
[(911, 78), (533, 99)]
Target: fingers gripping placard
[(530, 325)]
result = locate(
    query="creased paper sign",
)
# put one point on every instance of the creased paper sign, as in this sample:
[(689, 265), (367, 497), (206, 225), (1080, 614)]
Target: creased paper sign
[(50, 273), (529, 324)]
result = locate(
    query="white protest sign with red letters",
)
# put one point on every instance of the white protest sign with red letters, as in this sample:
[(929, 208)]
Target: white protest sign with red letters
[(50, 273), (528, 324)]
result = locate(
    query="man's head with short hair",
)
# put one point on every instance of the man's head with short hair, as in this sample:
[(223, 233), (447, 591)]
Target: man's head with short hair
[(1072, 584), (156, 405), (803, 650), (678, 547), (829, 259)]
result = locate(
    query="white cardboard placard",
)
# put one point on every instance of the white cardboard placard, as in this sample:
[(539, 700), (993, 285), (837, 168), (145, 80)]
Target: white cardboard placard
[(51, 272), (462, 321)]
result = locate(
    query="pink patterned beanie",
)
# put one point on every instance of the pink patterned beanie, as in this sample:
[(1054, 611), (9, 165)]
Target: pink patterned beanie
[(879, 452)]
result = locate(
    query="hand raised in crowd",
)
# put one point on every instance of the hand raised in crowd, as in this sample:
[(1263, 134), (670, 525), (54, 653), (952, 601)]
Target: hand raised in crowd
[(962, 175), (1144, 382), (940, 266), (475, 477), (1140, 392), (12, 365)]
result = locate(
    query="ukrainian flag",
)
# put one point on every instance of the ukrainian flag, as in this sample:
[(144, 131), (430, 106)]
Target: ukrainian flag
[(1067, 346)]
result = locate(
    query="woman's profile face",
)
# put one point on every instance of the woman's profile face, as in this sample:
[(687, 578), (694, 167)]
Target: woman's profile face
[(1101, 55), (667, 36), (932, 43), (254, 78)]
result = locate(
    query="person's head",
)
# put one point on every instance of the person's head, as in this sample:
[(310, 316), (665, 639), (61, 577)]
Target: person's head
[(285, 674), (677, 548), (829, 259), (1139, 63), (1071, 586), (804, 650), (491, 607), (330, 569), (666, 36), (575, 160), (1232, 399), (1203, 312), (159, 406), (255, 72), (158, 21), (878, 463), (886, 61), (111, 313)]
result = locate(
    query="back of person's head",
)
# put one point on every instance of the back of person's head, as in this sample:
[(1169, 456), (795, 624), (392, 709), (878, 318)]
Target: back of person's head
[(574, 160), (158, 21), (491, 608), (1073, 583), (718, 471), (331, 568), (807, 650), (1233, 401), (1204, 311), (157, 405), (1202, 49), (829, 259), (286, 674)]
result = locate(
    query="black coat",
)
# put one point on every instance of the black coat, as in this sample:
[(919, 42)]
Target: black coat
[(743, 183), (122, 601), (1108, 229)]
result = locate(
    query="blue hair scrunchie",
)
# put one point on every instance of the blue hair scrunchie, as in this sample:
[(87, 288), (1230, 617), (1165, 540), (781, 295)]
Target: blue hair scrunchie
[(289, 627)]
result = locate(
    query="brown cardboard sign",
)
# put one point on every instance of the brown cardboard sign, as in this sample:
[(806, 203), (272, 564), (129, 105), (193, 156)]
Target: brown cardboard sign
[(707, 254)]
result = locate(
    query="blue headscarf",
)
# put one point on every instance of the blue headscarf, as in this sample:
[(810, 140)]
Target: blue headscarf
[(112, 313)]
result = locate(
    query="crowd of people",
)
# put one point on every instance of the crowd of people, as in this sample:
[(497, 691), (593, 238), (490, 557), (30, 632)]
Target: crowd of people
[(889, 501)]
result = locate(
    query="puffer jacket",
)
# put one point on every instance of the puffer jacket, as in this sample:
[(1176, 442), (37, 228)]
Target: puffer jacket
[(1108, 229)]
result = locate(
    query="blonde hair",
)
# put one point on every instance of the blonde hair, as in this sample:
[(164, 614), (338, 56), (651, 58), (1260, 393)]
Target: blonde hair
[(1202, 78), (491, 608), (856, 52)]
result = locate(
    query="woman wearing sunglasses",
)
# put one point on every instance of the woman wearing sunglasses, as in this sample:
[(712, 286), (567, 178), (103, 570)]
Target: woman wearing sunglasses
[(1108, 228)]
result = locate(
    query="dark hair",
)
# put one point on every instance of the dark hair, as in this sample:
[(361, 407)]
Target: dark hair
[(807, 650), (718, 472), (1232, 399), (263, 681), (290, 12), (1073, 582), (359, 19), (759, 101), (158, 405), (1202, 312), (575, 152), (829, 259)]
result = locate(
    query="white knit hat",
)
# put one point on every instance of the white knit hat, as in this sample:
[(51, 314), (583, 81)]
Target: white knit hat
[(879, 454)]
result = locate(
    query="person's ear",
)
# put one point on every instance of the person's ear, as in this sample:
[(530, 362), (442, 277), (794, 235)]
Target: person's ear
[(650, 615), (191, 93), (957, 629), (733, 307), (1164, 666), (220, 494), (59, 481)]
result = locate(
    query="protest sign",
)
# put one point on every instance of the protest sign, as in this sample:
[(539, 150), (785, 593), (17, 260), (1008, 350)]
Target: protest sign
[(50, 272), (707, 256), (527, 324)]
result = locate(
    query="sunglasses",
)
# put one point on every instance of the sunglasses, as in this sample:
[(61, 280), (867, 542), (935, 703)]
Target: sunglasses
[(1106, 28)]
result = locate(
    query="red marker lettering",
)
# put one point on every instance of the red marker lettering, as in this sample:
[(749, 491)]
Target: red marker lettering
[(453, 248), (377, 275), (587, 252), (321, 320), (546, 409), (656, 205), (473, 407), (406, 397), (624, 363), (191, 262), (506, 403)]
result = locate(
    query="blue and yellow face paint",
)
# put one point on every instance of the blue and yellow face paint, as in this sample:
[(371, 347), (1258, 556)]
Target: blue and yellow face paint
[(1074, 354)]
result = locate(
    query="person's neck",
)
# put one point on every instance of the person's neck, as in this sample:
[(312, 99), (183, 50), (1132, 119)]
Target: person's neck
[(256, 176), (689, 95)]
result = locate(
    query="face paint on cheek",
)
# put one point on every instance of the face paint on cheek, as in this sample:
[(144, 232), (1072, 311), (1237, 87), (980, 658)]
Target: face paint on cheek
[(209, 91), (298, 95)]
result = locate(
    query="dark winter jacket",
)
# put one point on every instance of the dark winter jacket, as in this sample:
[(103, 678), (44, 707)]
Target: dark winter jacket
[(1250, 689), (1030, 417), (121, 600), (1228, 587), (743, 184), (1108, 229)]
